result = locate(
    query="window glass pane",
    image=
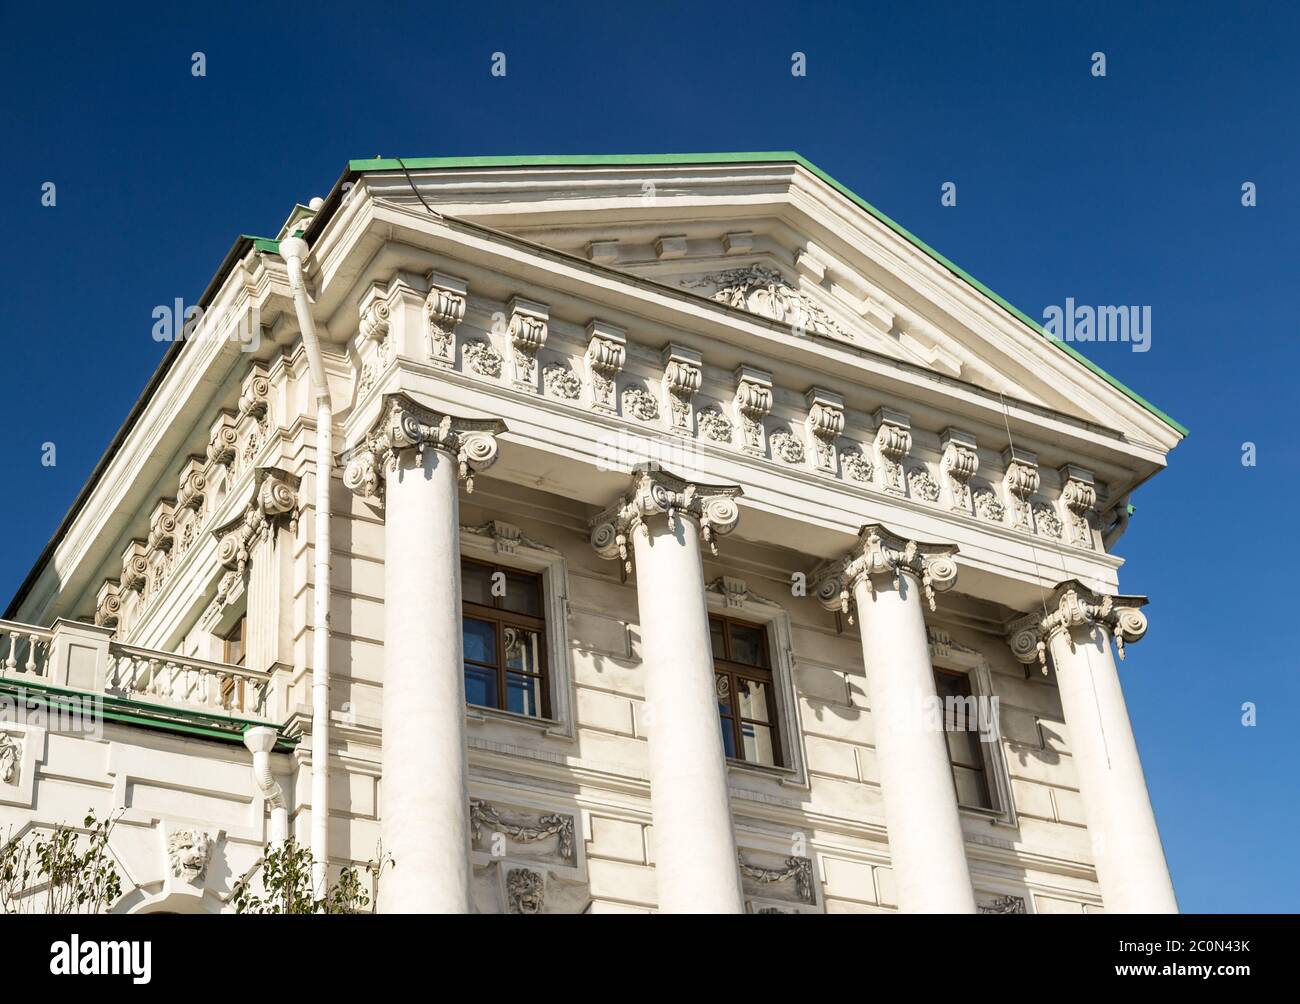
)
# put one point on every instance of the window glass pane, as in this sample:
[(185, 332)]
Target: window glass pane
[(747, 645), (476, 583), (758, 743), (716, 628), (480, 686), (523, 649), (722, 687), (753, 698), (523, 595), (964, 749), (480, 640), (523, 695), (728, 737), (971, 789)]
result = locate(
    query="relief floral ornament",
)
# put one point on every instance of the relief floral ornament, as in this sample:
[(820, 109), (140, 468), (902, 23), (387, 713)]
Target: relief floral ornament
[(657, 492), (405, 424)]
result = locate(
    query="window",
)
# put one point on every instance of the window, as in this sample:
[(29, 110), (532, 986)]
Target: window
[(961, 723), (504, 629), (745, 691), (234, 652)]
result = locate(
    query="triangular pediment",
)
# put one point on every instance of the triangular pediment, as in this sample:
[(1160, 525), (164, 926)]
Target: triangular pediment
[(775, 237)]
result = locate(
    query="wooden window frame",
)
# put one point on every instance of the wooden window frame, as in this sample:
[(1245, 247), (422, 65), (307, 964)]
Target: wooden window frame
[(500, 619), (726, 667), (985, 768)]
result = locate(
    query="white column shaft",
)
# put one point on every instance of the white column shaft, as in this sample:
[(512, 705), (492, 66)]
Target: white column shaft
[(695, 849), (425, 803), (925, 836), (1125, 841)]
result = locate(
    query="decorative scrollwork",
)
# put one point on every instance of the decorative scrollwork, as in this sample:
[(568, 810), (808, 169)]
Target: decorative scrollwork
[(1075, 605), (879, 551), (654, 492)]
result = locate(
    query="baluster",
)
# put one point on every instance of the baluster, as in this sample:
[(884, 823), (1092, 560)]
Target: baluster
[(152, 684), (11, 663), (33, 641)]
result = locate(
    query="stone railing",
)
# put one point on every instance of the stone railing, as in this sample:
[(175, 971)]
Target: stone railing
[(84, 657)]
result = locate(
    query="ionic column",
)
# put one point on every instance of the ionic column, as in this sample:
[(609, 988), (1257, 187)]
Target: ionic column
[(1077, 626), (886, 580), (658, 527), (414, 460)]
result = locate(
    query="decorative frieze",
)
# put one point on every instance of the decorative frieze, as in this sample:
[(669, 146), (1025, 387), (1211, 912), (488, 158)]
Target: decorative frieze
[(482, 358), (639, 403), (988, 506), (878, 552), (527, 330), (606, 353), (921, 485), (714, 425), (657, 492), (959, 462), (11, 755), (558, 380), (787, 447), (824, 424), (406, 424), (1002, 904), (1078, 504), (752, 404), (1075, 605), (893, 443), (444, 309), (1046, 522), (857, 466), (683, 374), (798, 870), (506, 537), (1020, 482), (485, 816), (758, 289)]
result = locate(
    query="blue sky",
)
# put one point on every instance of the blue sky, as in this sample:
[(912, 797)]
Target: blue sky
[(1117, 190)]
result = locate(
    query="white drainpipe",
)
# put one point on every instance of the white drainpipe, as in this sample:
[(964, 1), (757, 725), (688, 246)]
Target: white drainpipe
[(260, 741), (293, 250)]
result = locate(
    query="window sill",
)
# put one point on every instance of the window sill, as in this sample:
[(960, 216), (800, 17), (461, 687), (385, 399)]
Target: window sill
[(783, 774), (995, 817), (547, 726)]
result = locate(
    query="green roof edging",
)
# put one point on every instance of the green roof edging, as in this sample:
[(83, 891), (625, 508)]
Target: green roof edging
[(781, 156), (151, 716)]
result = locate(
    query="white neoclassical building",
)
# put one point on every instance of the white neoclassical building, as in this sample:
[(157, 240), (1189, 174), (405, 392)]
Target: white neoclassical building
[(604, 534)]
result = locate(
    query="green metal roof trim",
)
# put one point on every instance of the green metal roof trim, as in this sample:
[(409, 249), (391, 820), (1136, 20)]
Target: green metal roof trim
[(779, 156), (143, 714)]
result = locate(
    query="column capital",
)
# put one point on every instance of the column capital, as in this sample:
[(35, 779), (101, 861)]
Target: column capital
[(655, 491), (880, 551), (405, 424), (1072, 604)]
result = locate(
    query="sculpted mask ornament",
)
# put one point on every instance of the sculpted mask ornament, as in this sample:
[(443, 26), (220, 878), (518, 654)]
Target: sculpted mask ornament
[(764, 291), (11, 752), (188, 852), (657, 492), (880, 552), (405, 424), (1075, 605), (525, 889)]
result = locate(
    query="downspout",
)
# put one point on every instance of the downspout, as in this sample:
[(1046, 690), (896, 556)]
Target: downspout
[(293, 250), (260, 741)]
